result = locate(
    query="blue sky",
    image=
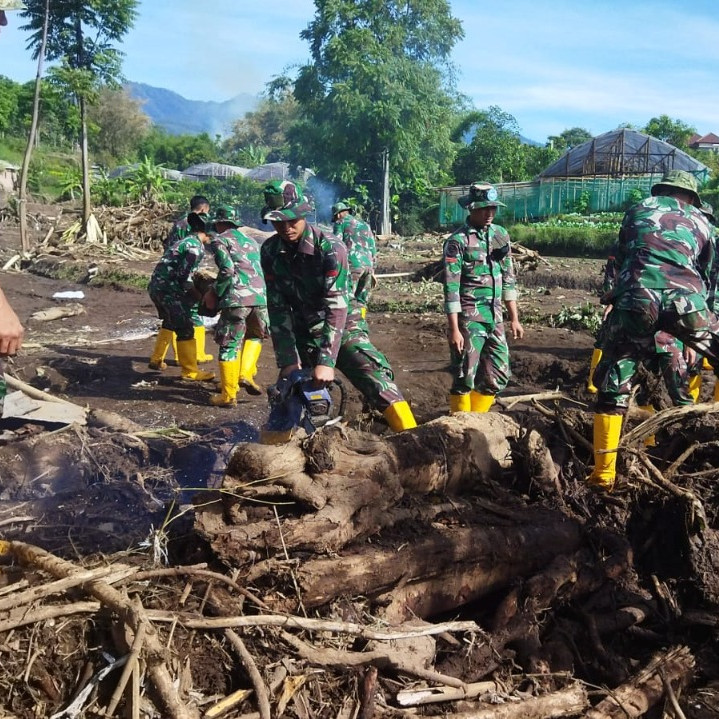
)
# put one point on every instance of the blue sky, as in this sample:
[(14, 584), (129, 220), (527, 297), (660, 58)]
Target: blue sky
[(553, 64)]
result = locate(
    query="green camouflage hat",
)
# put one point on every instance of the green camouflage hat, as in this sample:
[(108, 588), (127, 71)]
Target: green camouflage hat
[(680, 179), (11, 5), (340, 207), (284, 201), (226, 213), (708, 210), (481, 194)]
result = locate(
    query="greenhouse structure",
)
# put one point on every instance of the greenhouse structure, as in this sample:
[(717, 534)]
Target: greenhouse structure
[(600, 174)]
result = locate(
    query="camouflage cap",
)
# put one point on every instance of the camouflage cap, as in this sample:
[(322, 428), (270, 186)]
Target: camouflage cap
[(340, 207), (481, 194), (708, 210), (681, 180), (11, 5), (226, 213), (284, 201)]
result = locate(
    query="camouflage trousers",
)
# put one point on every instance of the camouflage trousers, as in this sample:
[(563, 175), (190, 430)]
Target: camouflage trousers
[(175, 311), (359, 360), (483, 366), (237, 324), (629, 336)]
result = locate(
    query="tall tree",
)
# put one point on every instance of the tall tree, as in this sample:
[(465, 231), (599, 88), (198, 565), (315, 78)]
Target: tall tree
[(675, 132), (265, 127), (380, 81), (81, 34), (117, 124), (22, 195), (494, 152), (569, 138)]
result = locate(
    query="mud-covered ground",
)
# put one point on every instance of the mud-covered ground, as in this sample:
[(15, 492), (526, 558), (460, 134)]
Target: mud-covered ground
[(99, 490)]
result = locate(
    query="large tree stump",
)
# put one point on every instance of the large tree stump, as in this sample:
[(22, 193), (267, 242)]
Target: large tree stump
[(341, 485)]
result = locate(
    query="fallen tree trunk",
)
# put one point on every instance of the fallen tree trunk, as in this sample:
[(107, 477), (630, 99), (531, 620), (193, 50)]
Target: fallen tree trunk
[(446, 568), (342, 485), (635, 698)]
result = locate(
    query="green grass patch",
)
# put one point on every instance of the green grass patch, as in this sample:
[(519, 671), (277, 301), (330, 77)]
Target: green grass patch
[(121, 280), (569, 235)]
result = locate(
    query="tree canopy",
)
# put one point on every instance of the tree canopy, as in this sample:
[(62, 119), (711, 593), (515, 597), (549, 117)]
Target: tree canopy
[(675, 132), (380, 79)]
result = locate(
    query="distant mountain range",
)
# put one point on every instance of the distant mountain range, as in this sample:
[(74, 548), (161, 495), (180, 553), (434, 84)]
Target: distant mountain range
[(179, 116)]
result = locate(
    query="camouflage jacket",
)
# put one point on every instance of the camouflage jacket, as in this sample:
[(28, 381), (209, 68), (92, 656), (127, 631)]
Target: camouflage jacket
[(240, 282), (172, 276), (664, 244), (179, 231), (307, 293), (478, 273), (361, 253), (714, 272)]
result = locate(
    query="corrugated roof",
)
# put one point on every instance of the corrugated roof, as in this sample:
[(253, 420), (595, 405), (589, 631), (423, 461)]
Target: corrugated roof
[(622, 152)]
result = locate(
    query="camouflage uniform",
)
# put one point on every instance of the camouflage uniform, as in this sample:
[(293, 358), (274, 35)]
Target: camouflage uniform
[(241, 293), (171, 283), (478, 276), (663, 257), (180, 230), (3, 384), (665, 356), (308, 295), (361, 252)]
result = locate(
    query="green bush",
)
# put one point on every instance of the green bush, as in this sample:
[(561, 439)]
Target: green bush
[(568, 235)]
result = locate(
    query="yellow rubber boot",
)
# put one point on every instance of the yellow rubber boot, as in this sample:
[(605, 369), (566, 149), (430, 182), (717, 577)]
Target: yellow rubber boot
[(459, 403), (162, 344), (251, 350), (229, 384), (187, 357), (596, 356), (706, 364), (480, 402), (651, 440), (202, 356), (399, 416), (695, 386), (607, 430), (716, 390)]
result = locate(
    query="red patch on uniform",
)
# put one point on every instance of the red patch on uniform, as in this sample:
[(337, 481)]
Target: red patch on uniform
[(331, 273)]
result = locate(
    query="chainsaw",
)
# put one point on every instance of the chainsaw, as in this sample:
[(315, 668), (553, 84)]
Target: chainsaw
[(296, 403)]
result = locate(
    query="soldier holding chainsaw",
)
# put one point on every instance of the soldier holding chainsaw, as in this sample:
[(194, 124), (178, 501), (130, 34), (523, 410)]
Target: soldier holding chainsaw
[(478, 276), (308, 293), (239, 295)]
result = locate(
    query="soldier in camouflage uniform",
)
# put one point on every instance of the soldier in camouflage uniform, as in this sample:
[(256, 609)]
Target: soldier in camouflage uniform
[(478, 276), (239, 294), (174, 294), (664, 255), (361, 253), (180, 229), (308, 294)]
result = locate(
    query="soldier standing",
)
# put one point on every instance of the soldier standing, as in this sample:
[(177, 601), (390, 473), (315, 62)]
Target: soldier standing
[(180, 229), (664, 255), (239, 294), (361, 253), (175, 297), (478, 276), (308, 286)]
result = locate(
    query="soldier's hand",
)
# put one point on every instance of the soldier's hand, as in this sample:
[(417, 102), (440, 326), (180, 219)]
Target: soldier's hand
[(11, 331), (456, 340), (690, 355), (323, 375), (517, 330)]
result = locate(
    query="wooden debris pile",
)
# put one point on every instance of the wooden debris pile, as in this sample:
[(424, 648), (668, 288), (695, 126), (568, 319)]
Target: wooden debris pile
[(459, 569)]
